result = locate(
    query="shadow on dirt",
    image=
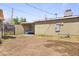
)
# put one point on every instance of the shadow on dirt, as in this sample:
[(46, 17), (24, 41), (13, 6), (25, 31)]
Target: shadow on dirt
[(0, 41), (8, 37), (70, 48)]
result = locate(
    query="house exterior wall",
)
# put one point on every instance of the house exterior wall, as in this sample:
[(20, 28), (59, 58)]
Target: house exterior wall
[(1, 15), (70, 26), (45, 29)]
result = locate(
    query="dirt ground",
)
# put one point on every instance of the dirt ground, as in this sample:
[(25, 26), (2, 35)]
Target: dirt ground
[(37, 46)]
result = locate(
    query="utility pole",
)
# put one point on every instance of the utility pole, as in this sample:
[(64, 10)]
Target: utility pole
[(56, 15), (12, 14), (45, 17), (12, 11)]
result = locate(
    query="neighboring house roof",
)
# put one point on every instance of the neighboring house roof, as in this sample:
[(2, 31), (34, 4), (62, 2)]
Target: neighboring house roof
[(1, 15), (27, 23), (59, 19)]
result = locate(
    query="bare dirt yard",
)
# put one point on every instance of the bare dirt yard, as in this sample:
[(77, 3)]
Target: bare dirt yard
[(38, 46)]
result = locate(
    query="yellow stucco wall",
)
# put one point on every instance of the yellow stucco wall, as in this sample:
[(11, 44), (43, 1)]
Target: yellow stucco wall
[(45, 29), (70, 26)]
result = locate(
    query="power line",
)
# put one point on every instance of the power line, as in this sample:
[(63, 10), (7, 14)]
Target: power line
[(38, 9), (18, 10), (21, 11), (56, 14), (15, 9)]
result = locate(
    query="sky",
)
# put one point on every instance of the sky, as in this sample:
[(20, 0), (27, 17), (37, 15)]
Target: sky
[(32, 14)]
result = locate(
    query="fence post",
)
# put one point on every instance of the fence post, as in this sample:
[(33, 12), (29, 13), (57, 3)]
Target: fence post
[(14, 29)]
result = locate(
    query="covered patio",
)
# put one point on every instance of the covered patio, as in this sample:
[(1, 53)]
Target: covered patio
[(29, 28)]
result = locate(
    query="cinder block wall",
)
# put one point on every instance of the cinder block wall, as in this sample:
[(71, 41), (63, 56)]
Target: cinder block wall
[(19, 29)]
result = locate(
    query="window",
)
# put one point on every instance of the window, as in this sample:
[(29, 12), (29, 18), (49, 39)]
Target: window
[(58, 26)]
